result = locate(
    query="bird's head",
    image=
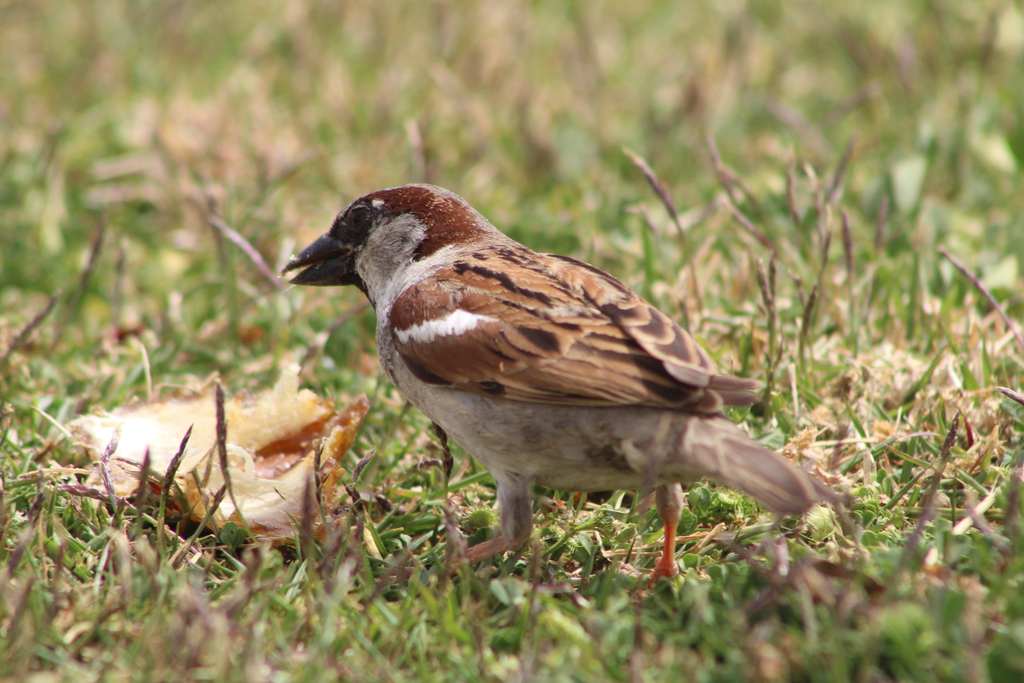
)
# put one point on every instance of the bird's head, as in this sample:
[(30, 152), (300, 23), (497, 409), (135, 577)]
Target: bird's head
[(382, 234)]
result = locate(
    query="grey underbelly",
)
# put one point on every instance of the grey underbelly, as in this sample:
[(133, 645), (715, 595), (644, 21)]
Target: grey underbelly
[(568, 448)]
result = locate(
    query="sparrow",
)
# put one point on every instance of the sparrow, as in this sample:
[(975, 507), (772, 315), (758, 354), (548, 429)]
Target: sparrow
[(544, 368)]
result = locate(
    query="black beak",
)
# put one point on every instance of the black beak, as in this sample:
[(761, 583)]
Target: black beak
[(327, 263)]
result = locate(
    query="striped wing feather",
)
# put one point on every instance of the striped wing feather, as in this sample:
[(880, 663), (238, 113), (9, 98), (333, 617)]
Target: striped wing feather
[(560, 332)]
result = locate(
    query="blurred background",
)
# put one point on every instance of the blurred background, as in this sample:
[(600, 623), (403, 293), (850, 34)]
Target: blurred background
[(161, 161), (129, 129)]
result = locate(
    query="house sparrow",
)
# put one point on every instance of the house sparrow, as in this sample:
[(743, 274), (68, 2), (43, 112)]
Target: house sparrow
[(546, 369)]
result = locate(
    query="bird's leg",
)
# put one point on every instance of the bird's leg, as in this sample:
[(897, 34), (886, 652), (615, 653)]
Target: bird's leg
[(516, 520), (669, 499), (447, 460)]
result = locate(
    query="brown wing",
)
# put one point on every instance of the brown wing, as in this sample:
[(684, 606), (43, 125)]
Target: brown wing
[(560, 332)]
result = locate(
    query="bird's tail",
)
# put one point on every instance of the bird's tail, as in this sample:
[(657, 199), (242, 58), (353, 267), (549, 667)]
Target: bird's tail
[(715, 447)]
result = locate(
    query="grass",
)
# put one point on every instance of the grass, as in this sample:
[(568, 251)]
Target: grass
[(819, 156)]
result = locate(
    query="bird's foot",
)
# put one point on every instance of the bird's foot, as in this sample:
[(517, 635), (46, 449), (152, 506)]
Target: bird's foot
[(665, 567), (487, 549)]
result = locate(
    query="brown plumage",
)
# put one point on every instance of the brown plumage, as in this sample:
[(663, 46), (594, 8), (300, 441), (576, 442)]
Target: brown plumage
[(546, 369)]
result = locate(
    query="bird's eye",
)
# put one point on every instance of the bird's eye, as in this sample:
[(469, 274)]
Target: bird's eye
[(359, 217)]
